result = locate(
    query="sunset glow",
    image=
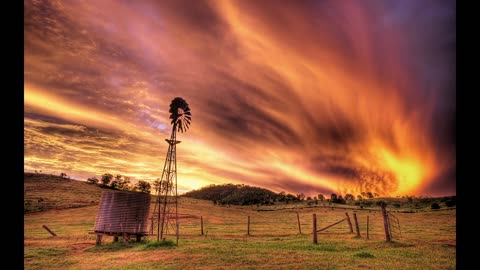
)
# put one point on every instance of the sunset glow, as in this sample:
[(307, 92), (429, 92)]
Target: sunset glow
[(296, 96)]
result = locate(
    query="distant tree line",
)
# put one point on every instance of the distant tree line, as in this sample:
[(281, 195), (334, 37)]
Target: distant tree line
[(237, 195), (120, 182), (248, 195)]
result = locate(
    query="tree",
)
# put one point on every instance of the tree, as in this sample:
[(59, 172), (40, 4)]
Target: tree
[(63, 175), (376, 195), (282, 196), (309, 198), (106, 178), (124, 183), (321, 197), (92, 180), (369, 195), (290, 198), (359, 197), (333, 197), (156, 184), (301, 196), (115, 183), (363, 194), (340, 200), (143, 186), (349, 197)]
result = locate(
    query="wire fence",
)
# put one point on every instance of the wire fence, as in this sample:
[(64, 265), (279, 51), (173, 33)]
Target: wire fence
[(331, 222)]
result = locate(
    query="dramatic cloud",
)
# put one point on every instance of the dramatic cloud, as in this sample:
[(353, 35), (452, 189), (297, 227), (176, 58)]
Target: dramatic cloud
[(296, 96)]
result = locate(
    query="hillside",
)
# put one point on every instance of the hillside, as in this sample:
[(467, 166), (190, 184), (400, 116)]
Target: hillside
[(234, 194), (44, 192), (428, 238)]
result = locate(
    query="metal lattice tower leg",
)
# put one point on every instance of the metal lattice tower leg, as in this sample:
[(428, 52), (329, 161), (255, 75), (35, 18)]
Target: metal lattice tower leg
[(164, 220)]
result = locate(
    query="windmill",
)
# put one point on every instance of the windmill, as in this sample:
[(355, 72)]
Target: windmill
[(165, 214)]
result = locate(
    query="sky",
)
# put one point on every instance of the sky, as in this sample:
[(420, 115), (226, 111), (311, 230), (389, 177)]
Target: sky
[(297, 96)]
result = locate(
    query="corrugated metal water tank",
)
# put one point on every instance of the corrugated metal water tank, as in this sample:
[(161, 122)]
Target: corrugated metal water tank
[(123, 212)]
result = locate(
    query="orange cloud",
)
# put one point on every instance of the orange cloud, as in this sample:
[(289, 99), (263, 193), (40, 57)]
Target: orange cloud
[(310, 97)]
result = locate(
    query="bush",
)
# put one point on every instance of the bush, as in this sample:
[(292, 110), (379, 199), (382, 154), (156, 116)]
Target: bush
[(435, 206), (450, 203), (396, 205), (92, 180)]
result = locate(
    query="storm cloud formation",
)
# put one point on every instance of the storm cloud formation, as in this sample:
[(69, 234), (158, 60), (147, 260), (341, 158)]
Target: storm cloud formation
[(296, 96)]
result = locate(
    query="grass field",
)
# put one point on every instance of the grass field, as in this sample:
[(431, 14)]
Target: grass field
[(44, 192), (428, 240)]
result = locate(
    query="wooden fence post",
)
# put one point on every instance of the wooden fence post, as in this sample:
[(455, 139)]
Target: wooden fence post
[(298, 221), (178, 230), (50, 231), (201, 224), (385, 223), (368, 236), (248, 226), (356, 224), (349, 222), (315, 241)]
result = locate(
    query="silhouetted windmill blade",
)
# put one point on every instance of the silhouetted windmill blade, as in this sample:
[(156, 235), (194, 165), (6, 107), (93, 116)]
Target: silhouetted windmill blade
[(180, 114)]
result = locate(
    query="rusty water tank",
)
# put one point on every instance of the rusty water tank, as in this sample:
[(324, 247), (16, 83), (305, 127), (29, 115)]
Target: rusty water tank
[(123, 212)]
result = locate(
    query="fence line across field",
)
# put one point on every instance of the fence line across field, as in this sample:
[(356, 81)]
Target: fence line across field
[(292, 224)]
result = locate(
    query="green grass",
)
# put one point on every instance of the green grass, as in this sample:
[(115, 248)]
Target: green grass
[(119, 245), (153, 244), (364, 255), (37, 253), (43, 258), (428, 240)]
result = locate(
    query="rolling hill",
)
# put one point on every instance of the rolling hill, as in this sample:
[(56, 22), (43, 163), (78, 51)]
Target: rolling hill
[(44, 192)]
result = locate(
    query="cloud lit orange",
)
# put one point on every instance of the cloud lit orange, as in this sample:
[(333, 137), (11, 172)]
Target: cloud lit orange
[(295, 96)]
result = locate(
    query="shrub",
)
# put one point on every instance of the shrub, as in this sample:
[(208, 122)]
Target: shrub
[(450, 203), (435, 206), (92, 180)]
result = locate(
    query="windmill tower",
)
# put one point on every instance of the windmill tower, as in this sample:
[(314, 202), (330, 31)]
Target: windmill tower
[(165, 214)]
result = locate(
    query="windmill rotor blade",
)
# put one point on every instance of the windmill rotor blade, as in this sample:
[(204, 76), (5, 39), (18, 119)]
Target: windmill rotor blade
[(183, 119)]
